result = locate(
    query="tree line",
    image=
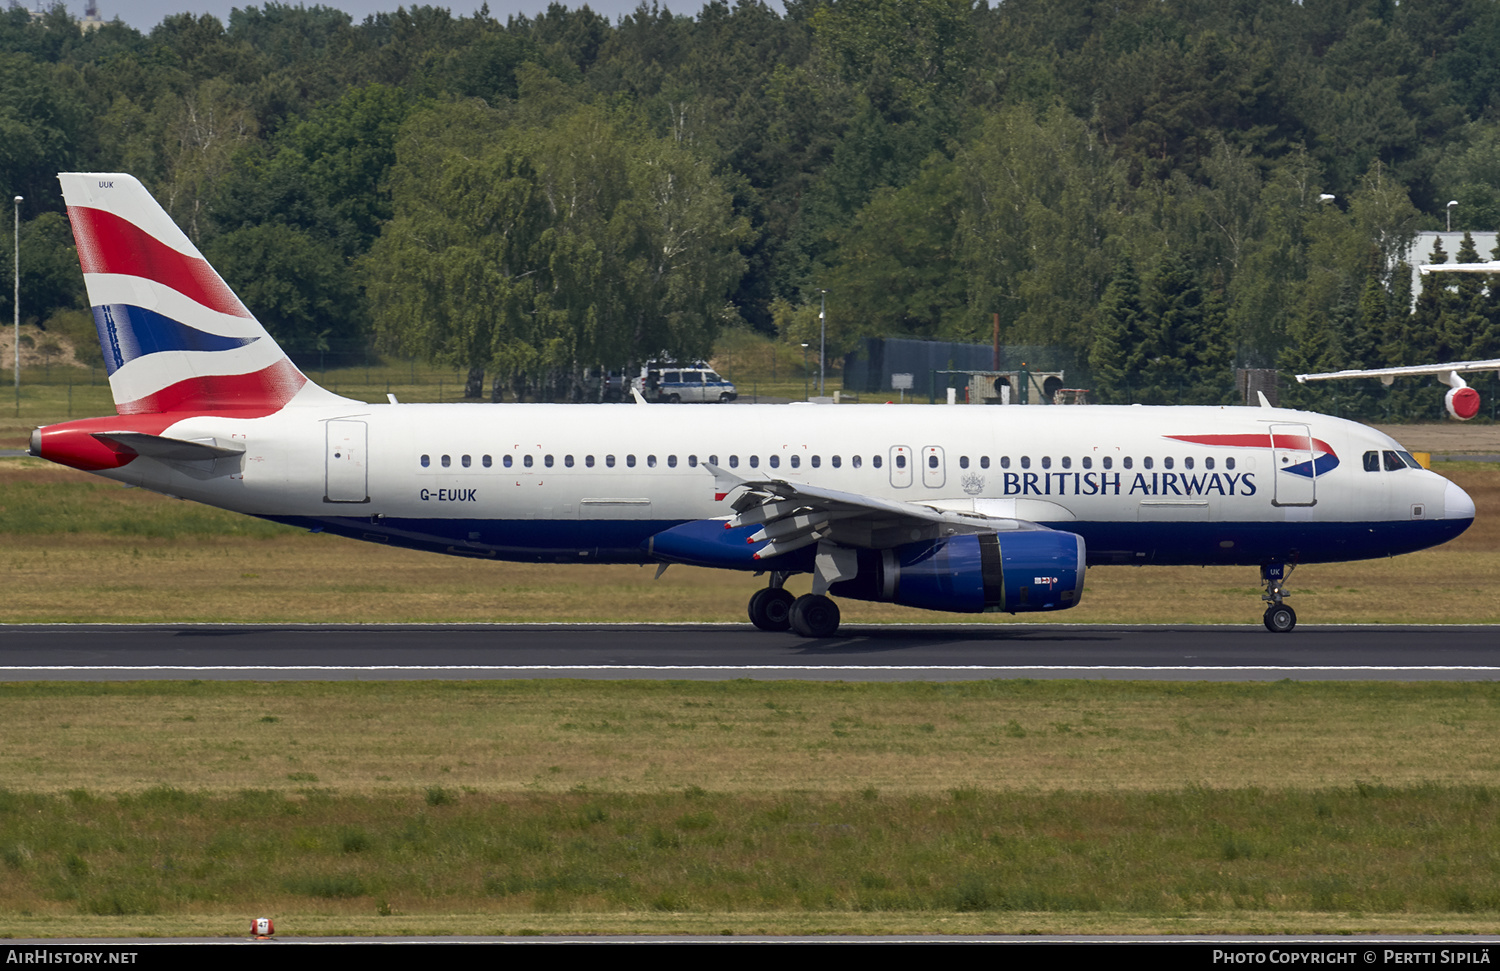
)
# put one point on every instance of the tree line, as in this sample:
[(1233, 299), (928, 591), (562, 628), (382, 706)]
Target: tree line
[(1167, 190)]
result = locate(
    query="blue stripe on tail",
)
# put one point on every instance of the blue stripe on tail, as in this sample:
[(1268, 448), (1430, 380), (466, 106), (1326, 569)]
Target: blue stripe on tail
[(127, 332)]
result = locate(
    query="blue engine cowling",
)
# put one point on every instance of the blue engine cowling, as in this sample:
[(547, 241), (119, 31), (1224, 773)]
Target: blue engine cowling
[(1026, 571)]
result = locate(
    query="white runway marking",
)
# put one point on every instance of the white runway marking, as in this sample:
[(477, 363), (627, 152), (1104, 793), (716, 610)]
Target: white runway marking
[(1287, 669)]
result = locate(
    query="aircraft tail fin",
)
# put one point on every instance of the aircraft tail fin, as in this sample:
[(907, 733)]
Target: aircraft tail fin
[(175, 337)]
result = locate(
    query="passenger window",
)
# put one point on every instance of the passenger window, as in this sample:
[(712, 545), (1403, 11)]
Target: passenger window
[(1109, 463), (775, 461), (426, 461), (1372, 461), (1046, 461), (487, 461), (1393, 462), (1208, 463), (1148, 462), (1088, 463), (507, 460), (692, 461), (588, 460), (713, 460), (836, 461), (1067, 461), (734, 461), (932, 461), (963, 461), (1229, 463), (900, 461), (1187, 463), (465, 461), (1026, 461), (755, 461), (816, 461), (875, 461), (671, 461), (547, 461), (796, 461), (984, 461), (630, 461), (568, 461), (1129, 461), (609, 461), (651, 461), (1005, 461), (447, 461), (1166, 463), (526, 461)]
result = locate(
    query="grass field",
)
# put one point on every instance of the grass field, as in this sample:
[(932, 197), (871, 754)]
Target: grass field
[(77, 548), (753, 807)]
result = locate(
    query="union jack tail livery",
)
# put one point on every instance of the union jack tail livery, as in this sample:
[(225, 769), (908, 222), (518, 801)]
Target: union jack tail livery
[(175, 337)]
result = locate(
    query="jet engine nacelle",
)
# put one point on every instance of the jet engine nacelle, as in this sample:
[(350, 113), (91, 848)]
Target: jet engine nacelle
[(1462, 403), (1013, 572)]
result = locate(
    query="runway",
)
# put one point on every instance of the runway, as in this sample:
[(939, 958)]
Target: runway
[(726, 651)]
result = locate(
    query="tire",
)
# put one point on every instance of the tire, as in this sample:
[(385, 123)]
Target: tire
[(1280, 618), (770, 610), (725, 397), (814, 616), (674, 399)]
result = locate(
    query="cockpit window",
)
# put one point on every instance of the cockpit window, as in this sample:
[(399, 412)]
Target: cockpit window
[(1411, 462), (1372, 461), (1392, 461)]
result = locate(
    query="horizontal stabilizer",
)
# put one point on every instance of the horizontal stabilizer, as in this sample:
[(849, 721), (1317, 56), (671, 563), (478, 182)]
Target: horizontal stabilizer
[(166, 449)]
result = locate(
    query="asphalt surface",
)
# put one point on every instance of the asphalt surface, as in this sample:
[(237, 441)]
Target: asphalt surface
[(724, 651)]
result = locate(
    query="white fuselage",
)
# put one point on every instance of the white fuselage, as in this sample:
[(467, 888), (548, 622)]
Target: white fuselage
[(581, 482)]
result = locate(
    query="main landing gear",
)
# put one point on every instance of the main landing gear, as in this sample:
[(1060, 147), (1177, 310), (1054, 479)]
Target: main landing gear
[(775, 609), (1280, 617)]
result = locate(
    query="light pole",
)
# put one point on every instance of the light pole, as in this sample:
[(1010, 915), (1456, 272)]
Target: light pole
[(16, 306), (1449, 213), (822, 338), (804, 370)]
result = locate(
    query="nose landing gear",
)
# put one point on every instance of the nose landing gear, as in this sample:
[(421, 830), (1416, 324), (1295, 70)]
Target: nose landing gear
[(1279, 618)]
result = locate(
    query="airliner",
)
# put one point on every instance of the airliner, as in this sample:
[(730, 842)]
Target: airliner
[(965, 508)]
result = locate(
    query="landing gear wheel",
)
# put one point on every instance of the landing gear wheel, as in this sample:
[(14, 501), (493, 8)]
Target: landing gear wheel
[(1280, 618), (815, 616), (771, 608)]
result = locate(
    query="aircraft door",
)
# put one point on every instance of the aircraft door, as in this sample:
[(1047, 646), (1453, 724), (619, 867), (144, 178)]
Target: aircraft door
[(900, 466), (1295, 473), (934, 471), (346, 476)]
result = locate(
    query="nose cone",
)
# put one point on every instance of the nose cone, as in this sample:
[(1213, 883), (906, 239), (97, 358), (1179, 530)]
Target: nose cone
[(1457, 504)]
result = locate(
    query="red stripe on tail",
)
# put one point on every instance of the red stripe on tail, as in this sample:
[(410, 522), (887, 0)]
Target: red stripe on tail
[(110, 244), (254, 395)]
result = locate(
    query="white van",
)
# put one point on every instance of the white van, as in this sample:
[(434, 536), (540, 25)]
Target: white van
[(677, 383)]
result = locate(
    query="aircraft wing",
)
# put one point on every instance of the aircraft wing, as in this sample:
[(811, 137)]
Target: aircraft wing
[(1388, 373), (794, 515), (1492, 266)]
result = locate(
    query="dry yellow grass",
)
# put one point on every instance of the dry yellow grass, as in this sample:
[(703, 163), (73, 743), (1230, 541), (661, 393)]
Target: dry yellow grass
[(288, 576), (340, 919), (741, 737)]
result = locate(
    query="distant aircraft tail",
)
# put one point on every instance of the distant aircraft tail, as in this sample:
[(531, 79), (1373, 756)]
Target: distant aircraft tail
[(175, 337)]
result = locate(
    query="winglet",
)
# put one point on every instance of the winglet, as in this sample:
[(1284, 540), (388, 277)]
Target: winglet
[(640, 399), (1264, 402)]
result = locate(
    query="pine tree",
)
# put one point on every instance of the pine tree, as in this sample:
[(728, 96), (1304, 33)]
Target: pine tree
[(1117, 350)]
